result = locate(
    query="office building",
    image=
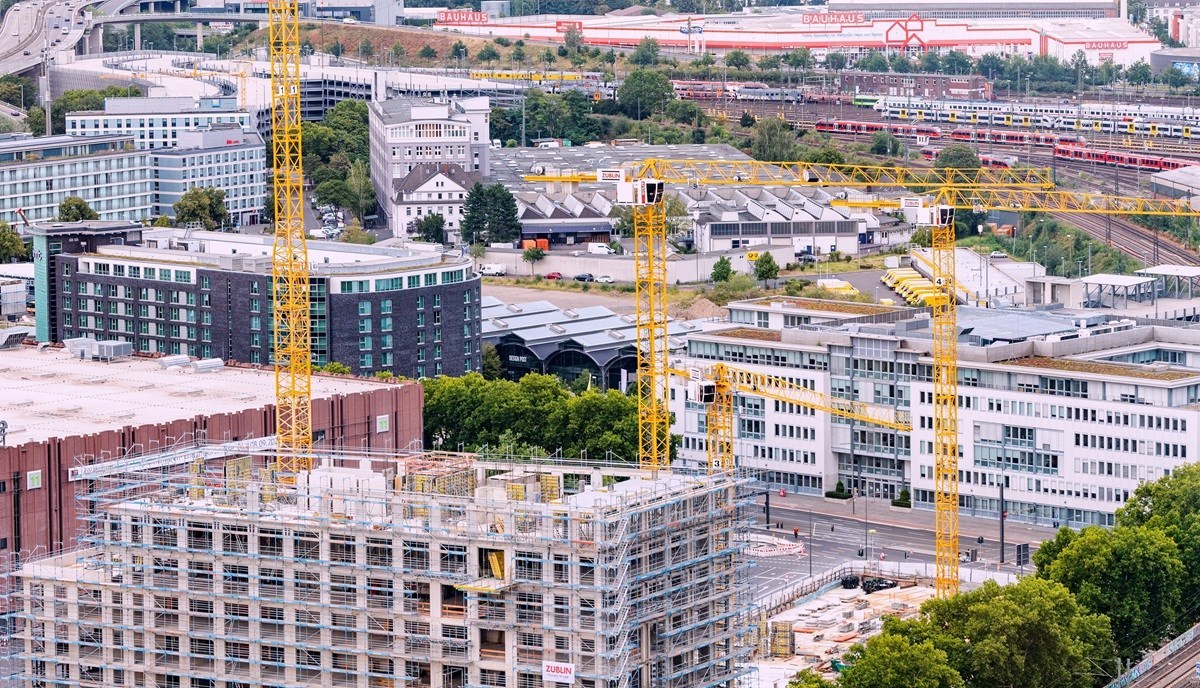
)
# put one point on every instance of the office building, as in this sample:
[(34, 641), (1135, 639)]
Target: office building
[(36, 174), (408, 311), (222, 157), (406, 132), (432, 569), (156, 122), (1070, 411)]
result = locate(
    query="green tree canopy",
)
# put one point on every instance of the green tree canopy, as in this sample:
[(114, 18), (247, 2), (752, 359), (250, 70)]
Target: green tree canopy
[(432, 228), (1172, 505), (533, 255), (355, 234), (873, 61), (957, 62), (774, 141), (722, 270), (1132, 574), (765, 268), (487, 54), (1031, 634), (358, 182), (1139, 74), (884, 143), (490, 215), (646, 53), (737, 59), (644, 92), (74, 209), (931, 62), (901, 64), (801, 58), (427, 52), (334, 192), (890, 661), (202, 204), (491, 367), (835, 61), (12, 246)]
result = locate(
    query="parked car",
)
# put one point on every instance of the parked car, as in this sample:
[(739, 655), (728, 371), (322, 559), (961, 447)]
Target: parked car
[(585, 277), (997, 254), (605, 279), (552, 275), (806, 258), (493, 269), (25, 53)]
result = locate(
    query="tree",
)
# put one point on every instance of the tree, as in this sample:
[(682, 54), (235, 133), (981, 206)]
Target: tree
[(1139, 74), (1049, 550), (798, 59), (491, 368), (956, 62), (36, 121), (533, 255), (358, 183), (737, 59), (162, 221), (573, 38), (1131, 574), (774, 141), (646, 53), (1032, 634), (74, 209), (769, 63), (490, 215), (900, 64), (204, 205), (957, 157), (765, 268), (884, 143), (355, 234), (337, 49), (1171, 505), (12, 247), (334, 192), (827, 156), (873, 61), (888, 661), (808, 679), (644, 92), (398, 53), (487, 54), (365, 49), (722, 270), (989, 65), (459, 51), (1176, 78), (835, 61), (432, 228), (427, 52), (474, 216), (931, 62)]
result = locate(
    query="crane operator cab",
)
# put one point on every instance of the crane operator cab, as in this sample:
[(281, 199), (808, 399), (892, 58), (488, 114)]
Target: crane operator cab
[(633, 191)]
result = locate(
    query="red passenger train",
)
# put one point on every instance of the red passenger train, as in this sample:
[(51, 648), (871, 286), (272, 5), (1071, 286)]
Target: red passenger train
[(1016, 137), (853, 127), (1128, 159)]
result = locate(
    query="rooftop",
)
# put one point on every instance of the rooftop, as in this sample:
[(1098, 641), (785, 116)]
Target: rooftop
[(48, 393), (823, 305), (510, 165), (1101, 368)]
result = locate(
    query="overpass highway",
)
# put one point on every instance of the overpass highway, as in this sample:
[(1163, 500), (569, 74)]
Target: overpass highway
[(34, 28)]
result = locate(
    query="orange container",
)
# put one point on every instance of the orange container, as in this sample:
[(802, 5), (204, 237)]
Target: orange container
[(543, 244), (528, 243)]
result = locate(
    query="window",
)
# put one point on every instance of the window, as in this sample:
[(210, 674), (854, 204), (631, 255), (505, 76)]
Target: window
[(420, 302), (364, 307), (364, 360), (255, 322), (364, 325), (385, 341), (385, 306), (364, 343), (385, 323)]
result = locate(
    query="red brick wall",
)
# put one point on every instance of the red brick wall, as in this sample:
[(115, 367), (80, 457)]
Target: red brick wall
[(48, 514)]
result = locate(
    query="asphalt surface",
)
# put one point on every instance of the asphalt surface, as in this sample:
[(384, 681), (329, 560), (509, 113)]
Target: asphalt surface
[(34, 23), (839, 531)]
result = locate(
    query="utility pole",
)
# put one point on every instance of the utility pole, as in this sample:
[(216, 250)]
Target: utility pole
[(810, 543), (1003, 517)]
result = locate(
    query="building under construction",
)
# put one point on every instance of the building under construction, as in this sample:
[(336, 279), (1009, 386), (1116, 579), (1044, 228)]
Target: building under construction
[(202, 569)]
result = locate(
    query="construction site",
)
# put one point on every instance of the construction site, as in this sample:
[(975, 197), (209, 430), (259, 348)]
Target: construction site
[(204, 568)]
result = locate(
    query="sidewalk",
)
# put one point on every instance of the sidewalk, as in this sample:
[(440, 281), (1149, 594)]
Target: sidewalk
[(880, 511)]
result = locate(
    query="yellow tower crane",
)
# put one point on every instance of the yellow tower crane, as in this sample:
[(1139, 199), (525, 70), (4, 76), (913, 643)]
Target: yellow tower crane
[(289, 294), (983, 189)]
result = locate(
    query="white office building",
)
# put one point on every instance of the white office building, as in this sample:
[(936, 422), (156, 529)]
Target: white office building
[(1071, 412), (157, 122), (405, 133), (430, 189), (225, 157)]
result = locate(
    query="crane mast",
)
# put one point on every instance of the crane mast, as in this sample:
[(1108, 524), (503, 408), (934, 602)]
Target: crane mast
[(945, 405), (290, 291)]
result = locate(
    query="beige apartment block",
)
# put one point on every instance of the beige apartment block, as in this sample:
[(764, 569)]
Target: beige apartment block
[(425, 570)]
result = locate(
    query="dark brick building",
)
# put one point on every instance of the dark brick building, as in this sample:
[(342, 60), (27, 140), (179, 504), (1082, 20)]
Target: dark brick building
[(414, 313)]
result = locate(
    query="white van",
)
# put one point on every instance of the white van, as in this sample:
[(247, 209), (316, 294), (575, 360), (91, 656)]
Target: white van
[(493, 269), (600, 249)]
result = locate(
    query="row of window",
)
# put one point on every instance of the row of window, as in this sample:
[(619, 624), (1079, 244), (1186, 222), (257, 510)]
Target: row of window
[(429, 279), (1134, 446)]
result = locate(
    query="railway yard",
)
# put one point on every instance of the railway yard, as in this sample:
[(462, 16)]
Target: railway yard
[(1088, 161)]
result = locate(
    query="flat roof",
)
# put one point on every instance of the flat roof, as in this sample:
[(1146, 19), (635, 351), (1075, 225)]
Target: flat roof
[(1172, 271), (1116, 280), (1100, 368), (510, 165), (850, 308), (49, 393)]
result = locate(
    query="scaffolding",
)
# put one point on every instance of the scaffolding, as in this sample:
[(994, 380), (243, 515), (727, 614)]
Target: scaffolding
[(423, 569)]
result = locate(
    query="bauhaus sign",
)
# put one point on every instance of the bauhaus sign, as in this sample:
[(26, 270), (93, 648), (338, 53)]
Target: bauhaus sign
[(1106, 45), (833, 18), (462, 17)]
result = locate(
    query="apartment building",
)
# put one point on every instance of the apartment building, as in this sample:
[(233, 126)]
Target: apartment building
[(156, 122), (222, 157), (430, 189), (410, 312), (1071, 412), (36, 174), (405, 132), (435, 570)]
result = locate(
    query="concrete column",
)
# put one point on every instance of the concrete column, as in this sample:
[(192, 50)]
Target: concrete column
[(199, 37), (137, 36)]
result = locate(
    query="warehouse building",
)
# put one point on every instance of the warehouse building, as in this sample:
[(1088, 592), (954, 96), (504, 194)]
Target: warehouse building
[(1071, 412), (431, 569), (412, 311), (63, 412)]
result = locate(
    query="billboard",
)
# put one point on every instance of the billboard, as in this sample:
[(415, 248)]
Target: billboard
[(1192, 69), (558, 672), (565, 26)]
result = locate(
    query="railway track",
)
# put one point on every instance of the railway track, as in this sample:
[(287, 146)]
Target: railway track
[(1146, 245), (1176, 671)]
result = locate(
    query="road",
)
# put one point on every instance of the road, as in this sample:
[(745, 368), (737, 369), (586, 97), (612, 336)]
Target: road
[(29, 26)]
